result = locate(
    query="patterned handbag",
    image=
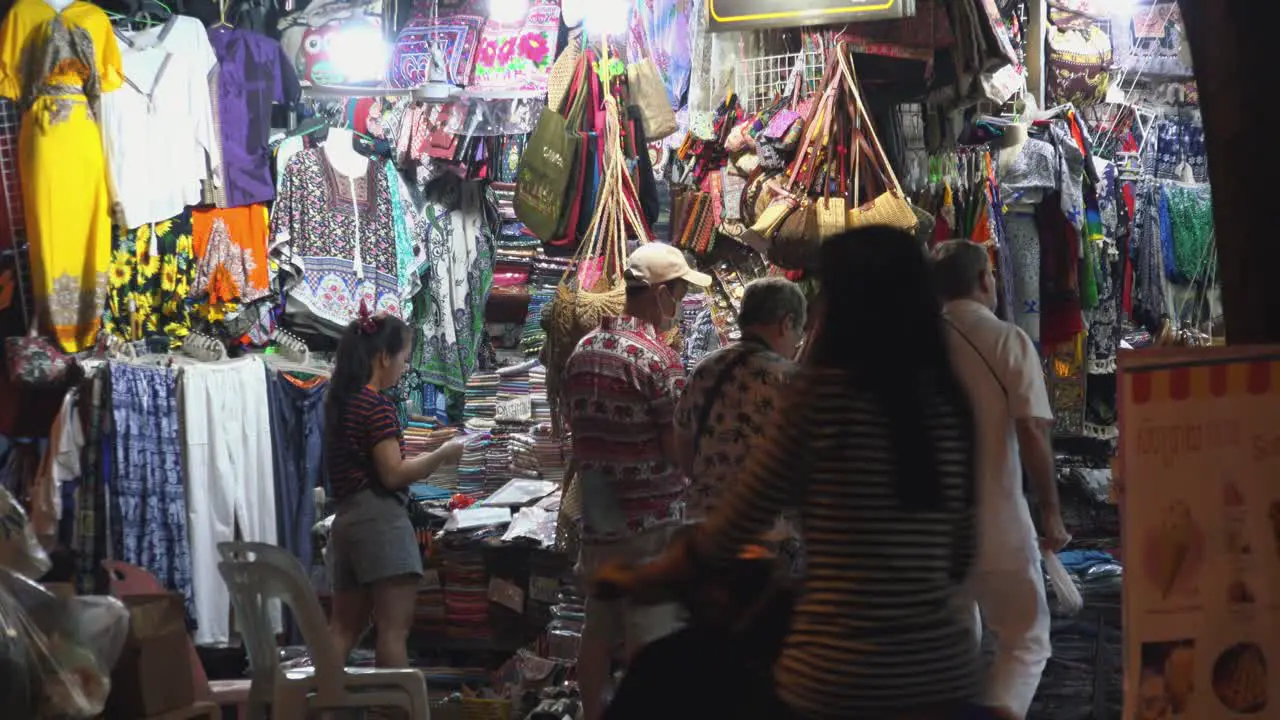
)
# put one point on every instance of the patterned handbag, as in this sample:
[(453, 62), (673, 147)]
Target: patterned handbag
[(518, 55), (458, 36), (34, 361), (1079, 66)]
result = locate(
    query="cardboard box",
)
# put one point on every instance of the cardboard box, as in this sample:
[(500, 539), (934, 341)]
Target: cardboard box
[(154, 673)]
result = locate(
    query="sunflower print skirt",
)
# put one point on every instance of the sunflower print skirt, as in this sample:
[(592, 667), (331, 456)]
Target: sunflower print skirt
[(150, 276)]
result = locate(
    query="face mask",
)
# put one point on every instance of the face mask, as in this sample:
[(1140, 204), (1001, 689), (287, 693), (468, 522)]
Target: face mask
[(668, 322)]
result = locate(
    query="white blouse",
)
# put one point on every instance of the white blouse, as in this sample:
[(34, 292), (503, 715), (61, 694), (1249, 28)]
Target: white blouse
[(158, 128)]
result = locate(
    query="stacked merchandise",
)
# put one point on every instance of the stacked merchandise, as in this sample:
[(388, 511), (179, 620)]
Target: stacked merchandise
[(481, 396), (465, 587), (497, 459), (538, 395), (424, 435), (533, 338), (524, 458), (550, 451), (471, 467)]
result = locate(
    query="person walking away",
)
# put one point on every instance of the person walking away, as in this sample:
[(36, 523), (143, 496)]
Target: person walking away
[(620, 390), (875, 449), (1001, 370), (376, 562), (734, 393)]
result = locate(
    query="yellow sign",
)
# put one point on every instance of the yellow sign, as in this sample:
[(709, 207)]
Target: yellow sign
[(732, 15)]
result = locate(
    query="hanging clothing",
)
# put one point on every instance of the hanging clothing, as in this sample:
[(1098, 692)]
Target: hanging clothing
[(151, 273), (148, 480), (460, 226), (335, 240), (158, 129), (230, 478), (58, 65), (297, 432), (89, 538), (1023, 249), (253, 75), (231, 249)]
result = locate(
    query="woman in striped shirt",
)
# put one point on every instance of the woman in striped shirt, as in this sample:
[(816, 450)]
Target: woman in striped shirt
[(875, 450)]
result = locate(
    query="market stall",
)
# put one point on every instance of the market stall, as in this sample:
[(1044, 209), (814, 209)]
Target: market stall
[(480, 170)]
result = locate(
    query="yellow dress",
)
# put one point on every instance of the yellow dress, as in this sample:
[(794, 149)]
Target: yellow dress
[(57, 65)]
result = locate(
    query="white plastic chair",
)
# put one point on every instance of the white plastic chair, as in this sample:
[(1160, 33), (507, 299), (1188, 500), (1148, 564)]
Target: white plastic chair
[(256, 574)]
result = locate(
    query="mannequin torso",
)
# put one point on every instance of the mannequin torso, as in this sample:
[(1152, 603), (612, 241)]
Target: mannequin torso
[(1010, 144), (340, 151)]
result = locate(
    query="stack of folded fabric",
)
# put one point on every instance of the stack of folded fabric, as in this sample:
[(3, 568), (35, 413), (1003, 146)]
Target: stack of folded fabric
[(524, 458), (552, 458), (471, 468), (497, 459), (466, 588), (534, 337), (423, 434), (547, 272), (538, 403), (481, 396)]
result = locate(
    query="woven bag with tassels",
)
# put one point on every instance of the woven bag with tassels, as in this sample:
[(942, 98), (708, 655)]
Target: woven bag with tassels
[(576, 310)]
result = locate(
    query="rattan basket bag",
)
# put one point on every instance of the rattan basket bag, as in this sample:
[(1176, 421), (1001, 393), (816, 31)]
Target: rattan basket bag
[(593, 287)]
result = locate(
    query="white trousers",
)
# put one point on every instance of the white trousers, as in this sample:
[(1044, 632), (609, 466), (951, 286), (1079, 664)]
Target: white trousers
[(230, 478), (1011, 604)]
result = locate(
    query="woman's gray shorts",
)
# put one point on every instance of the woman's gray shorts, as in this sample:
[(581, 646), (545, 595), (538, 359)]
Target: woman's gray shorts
[(372, 539)]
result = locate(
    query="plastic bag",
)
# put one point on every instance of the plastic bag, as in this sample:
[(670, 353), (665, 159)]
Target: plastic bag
[(1064, 589), (56, 654), (20, 551)]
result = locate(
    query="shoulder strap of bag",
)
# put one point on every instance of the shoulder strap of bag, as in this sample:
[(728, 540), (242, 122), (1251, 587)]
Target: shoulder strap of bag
[(714, 393), (992, 368)]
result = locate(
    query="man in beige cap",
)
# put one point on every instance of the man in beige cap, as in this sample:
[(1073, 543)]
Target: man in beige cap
[(620, 391)]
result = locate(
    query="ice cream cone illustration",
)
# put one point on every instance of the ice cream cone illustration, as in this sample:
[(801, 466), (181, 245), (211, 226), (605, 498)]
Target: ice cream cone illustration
[(1176, 537)]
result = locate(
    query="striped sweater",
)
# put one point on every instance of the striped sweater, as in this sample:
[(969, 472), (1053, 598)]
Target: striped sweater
[(879, 627)]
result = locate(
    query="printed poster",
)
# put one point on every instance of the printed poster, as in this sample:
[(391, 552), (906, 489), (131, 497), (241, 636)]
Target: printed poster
[(1200, 504)]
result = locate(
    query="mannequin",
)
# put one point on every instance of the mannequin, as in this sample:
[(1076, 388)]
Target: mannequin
[(1010, 145), (59, 5), (339, 149)]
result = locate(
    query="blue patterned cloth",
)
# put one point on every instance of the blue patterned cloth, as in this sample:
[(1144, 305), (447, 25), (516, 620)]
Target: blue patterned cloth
[(148, 481)]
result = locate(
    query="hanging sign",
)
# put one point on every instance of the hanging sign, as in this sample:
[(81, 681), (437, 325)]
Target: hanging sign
[(1200, 506), (734, 15)]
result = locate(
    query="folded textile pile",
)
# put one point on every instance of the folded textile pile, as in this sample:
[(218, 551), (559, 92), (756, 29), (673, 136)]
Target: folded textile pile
[(538, 403), (534, 337), (466, 601), (481, 396), (524, 457), (550, 452), (471, 468)]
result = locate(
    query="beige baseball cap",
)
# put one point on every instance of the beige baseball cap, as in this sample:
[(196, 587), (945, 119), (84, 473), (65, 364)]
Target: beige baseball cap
[(655, 263)]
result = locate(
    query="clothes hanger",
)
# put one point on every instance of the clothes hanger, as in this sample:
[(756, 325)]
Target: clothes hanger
[(222, 16)]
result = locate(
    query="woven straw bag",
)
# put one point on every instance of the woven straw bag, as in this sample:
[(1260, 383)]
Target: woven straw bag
[(890, 208), (561, 76), (577, 310)]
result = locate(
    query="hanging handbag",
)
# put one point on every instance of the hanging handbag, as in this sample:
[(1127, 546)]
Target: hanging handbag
[(596, 288), (35, 361), (442, 144), (546, 168), (649, 96), (890, 207)]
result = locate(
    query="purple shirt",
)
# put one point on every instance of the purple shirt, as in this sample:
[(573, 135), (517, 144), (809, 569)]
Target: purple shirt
[(253, 74)]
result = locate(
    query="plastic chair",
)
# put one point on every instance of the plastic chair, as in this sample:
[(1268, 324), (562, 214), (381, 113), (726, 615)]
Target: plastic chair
[(125, 580), (256, 574)]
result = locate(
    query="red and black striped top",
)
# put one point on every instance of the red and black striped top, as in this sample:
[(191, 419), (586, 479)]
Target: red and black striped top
[(368, 418)]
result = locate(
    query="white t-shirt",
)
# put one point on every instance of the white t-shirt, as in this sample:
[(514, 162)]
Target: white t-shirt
[(1006, 535)]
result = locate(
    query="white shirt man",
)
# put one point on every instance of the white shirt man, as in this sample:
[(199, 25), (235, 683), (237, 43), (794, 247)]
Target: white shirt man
[(1000, 367)]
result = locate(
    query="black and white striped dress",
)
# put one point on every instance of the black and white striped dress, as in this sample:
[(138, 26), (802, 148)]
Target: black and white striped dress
[(880, 627)]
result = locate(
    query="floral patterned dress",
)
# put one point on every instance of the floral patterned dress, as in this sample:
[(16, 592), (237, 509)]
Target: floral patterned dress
[(149, 281), (334, 238)]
